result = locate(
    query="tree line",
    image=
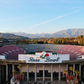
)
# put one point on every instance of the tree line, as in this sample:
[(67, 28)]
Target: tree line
[(79, 40)]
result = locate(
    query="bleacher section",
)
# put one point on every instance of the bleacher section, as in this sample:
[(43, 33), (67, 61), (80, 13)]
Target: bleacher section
[(75, 52), (40, 47), (11, 52)]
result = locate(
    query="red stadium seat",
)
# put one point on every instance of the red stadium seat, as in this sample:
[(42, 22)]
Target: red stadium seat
[(11, 51)]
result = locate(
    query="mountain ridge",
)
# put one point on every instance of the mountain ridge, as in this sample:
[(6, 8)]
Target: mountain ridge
[(62, 33), (11, 36)]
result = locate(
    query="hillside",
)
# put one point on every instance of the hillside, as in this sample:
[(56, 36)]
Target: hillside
[(63, 33), (11, 36)]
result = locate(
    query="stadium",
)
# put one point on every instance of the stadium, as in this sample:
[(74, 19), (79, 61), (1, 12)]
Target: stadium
[(40, 61)]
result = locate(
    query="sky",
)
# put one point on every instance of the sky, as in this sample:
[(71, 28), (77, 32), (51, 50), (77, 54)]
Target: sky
[(41, 16)]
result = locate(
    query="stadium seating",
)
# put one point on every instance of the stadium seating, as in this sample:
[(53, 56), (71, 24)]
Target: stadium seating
[(74, 51), (11, 51)]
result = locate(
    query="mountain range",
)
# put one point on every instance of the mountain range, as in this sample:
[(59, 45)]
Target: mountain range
[(12, 36), (62, 33)]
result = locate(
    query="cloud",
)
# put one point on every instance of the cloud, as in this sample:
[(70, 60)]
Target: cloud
[(48, 21), (54, 19), (73, 12)]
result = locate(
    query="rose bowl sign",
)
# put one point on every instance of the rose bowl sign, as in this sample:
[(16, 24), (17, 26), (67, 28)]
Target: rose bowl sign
[(43, 57)]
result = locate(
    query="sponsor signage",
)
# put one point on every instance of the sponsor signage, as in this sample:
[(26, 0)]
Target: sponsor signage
[(43, 58)]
